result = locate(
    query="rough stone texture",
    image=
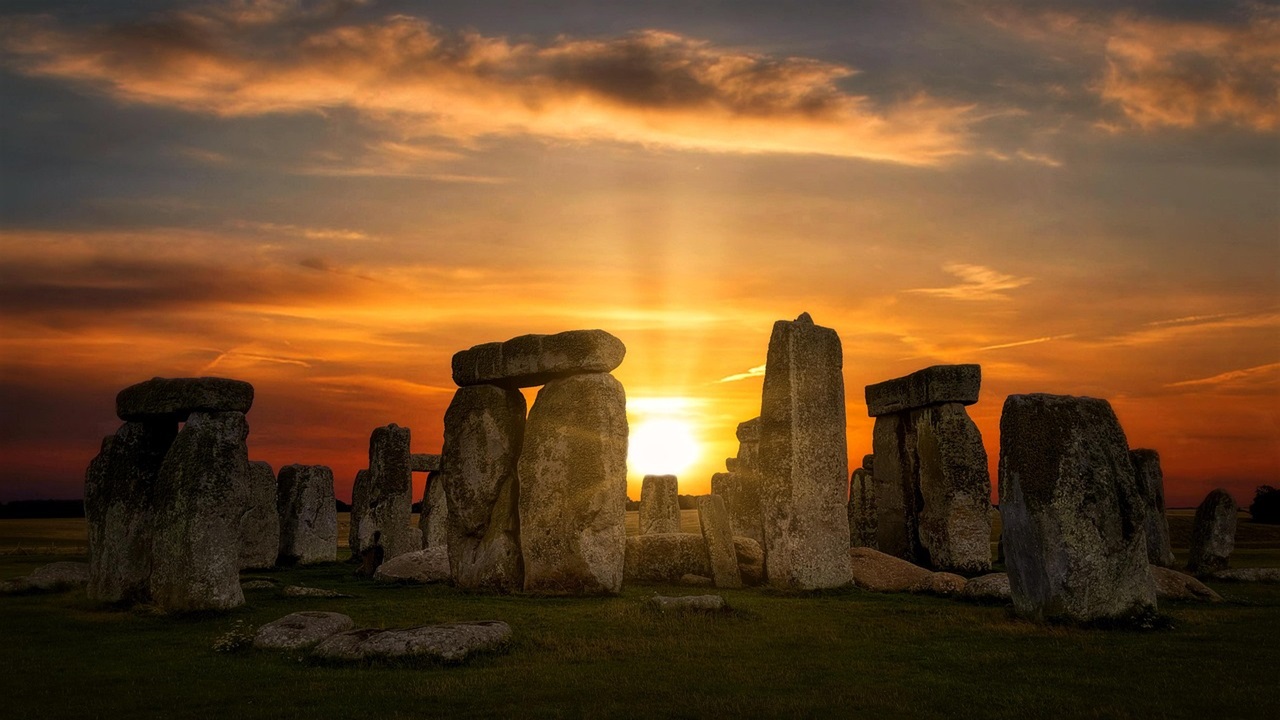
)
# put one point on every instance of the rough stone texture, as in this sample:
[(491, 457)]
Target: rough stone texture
[(1146, 469), (1263, 575), (741, 493), (862, 509), (750, 560), (937, 385), (308, 516), (257, 585), (310, 592), (897, 499), (359, 501), (1213, 533), (433, 522), (421, 566), (260, 524), (573, 487), (424, 462), (666, 557), (803, 464), (717, 534), (531, 360), (731, 464), (483, 434), (748, 434), (118, 504), (53, 577), (173, 399), (868, 463), (990, 588), (659, 505), (696, 580), (942, 584), (1073, 517), (200, 494), (450, 642), (686, 603), (300, 630), (1173, 585), (878, 572), (388, 501)]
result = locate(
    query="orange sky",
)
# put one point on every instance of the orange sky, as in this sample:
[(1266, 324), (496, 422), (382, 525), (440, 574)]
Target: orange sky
[(329, 204)]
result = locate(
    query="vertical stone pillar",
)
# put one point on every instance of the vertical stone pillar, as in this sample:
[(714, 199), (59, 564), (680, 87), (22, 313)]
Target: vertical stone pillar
[(308, 515), (388, 501), (1213, 533), (713, 518), (659, 504), (1146, 468), (260, 525)]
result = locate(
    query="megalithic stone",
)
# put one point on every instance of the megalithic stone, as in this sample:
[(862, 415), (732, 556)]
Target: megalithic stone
[(748, 434), (388, 506), (260, 524), (741, 493), (713, 518), (862, 509), (659, 504), (531, 360), (434, 520), (1073, 520), (173, 399), (1146, 468), (308, 515), (898, 501), (359, 503), (483, 434), (1213, 533), (573, 487), (955, 486), (119, 505), (804, 466), (200, 495)]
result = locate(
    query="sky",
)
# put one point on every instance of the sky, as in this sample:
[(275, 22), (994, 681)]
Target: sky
[(329, 199)]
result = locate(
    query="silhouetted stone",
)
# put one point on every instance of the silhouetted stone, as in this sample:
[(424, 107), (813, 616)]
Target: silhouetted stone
[(1146, 469), (731, 464), (300, 630), (531, 360), (260, 524), (359, 505), (308, 514), (878, 572), (713, 518), (433, 522), (741, 493), (666, 557), (200, 495), (937, 385), (424, 462), (862, 509), (573, 487), (868, 463), (1073, 518), (388, 501), (173, 399), (1173, 585), (421, 566), (450, 642), (687, 603), (803, 465), (659, 505), (1213, 533), (483, 433), (119, 502)]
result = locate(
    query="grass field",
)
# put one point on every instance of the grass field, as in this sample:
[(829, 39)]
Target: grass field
[(840, 654)]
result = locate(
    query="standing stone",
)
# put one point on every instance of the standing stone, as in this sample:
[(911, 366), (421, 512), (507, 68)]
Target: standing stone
[(803, 465), (308, 515), (713, 518), (741, 493), (118, 503), (433, 523), (483, 432), (260, 525), (388, 500), (748, 434), (531, 360), (862, 509), (1074, 538), (1213, 533), (359, 499), (573, 487), (200, 495), (659, 505), (897, 498), (1146, 468)]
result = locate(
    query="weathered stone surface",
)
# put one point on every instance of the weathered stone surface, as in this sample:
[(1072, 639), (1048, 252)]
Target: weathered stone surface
[(862, 509), (421, 566), (1073, 518), (990, 588), (659, 505), (1263, 575), (359, 503), (388, 501), (666, 557), (424, 462), (531, 360), (53, 577), (937, 385), (717, 534), (173, 399), (878, 572), (310, 592), (483, 434), (300, 630), (573, 487), (942, 584), (1213, 533), (868, 463), (308, 515), (450, 642), (897, 500), (731, 464), (696, 581), (200, 495), (686, 603), (748, 434), (741, 493), (119, 503), (257, 585), (260, 524), (803, 464), (1173, 585), (433, 522), (750, 560), (1146, 469)]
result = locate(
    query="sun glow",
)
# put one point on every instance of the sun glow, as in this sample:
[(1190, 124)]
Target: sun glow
[(662, 446)]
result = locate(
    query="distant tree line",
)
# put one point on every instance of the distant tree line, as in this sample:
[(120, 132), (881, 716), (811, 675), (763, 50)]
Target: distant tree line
[(42, 509), (1266, 505)]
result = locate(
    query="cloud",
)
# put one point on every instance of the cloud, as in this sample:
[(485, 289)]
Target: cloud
[(649, 87), (1261, 373), (977, 283), (1166, 330), (755, 372), (1020, 343)]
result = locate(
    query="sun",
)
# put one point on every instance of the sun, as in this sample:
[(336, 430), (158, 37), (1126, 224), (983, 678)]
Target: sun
[(662, 446)]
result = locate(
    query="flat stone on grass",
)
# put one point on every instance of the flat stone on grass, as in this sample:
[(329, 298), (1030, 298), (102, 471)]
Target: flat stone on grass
[(449, 642), (300, 630), (687, 603)]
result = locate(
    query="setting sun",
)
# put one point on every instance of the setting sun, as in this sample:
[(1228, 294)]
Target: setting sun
[(662, 446)]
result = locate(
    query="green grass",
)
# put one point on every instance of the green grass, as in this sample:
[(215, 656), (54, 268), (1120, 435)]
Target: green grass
[(839, 654)]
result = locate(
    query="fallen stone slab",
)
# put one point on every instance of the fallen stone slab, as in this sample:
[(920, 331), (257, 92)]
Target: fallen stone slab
[(424, 462), (450, 642), (423, 566), (1263, 575), (310, 592), (531, 360), (936, 385), (686, 603), (1173, 585), (665, 557), (942, 584), (53, 577), (176, 398), (257, 585), (695, 580), (990, 588), (300, 630), (880, 572)]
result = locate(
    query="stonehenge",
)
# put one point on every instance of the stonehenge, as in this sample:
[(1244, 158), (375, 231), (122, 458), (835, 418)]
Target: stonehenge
[(308, 515), (433, 522), (532, 360), (740, 487), (717, 535), (1146, 469), (862, 506), (1213, 533), (659, 504), (260, 524)]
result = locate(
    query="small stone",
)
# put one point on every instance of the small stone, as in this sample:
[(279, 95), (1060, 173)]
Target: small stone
[(862, 509), (934, 385), (750, 560), (748, 434), (423, 566), (1213, 533), (1173, 585), (450, 643), (300, 630), (878, 572), (659, 505), (1262, 575), (310, 592), (989, 588), (713, 518), (942, 584), (731, 464), (173, 399), (308, 515), (531, 360), (688, 603), (424, 462), (53, 577), (696, 580)]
